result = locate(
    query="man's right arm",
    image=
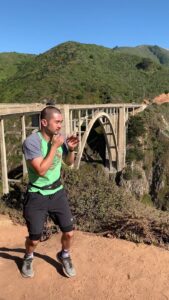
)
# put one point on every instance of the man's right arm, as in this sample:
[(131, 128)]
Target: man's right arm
[(41, 164)]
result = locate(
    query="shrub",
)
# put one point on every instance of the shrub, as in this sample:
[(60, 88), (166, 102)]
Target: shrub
[(134, 154), (146, 199), (136, 128)]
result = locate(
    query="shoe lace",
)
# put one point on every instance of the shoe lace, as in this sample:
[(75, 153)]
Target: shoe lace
[(68, 262), (28, 262)]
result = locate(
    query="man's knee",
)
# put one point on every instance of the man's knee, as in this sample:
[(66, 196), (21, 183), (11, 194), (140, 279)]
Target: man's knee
[(33, 240), (69, 234), (34, 243)]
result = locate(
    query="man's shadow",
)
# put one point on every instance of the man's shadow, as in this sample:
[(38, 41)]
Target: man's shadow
[(19, 261)]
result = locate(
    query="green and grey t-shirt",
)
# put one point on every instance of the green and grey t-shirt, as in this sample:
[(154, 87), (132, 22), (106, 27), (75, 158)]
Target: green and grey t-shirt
[(36, 146)]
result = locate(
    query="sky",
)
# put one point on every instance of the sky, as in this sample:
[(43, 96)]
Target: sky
[(35, 26)]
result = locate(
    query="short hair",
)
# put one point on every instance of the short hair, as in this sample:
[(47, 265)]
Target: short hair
[(48, 111)]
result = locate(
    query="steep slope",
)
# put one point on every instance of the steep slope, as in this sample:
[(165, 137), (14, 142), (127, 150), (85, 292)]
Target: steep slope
[(147, 153)]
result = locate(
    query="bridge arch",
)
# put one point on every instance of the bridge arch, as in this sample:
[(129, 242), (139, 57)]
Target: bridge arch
[(110, 138)]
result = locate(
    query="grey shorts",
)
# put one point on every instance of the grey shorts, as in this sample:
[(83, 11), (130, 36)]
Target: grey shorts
[(37, 207)]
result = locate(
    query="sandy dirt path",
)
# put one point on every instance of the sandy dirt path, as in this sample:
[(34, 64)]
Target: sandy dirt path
[(106, 269)]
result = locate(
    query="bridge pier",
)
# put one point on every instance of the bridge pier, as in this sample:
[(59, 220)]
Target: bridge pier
[(66, 119), (23, 138), (121, 139), (5, 187), (114, 121)]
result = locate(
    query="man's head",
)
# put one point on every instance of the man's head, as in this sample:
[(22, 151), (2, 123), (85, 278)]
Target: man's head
[(51, 120)]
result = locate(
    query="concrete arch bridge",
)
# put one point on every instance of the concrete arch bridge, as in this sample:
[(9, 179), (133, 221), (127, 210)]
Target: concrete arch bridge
[(109, 121)]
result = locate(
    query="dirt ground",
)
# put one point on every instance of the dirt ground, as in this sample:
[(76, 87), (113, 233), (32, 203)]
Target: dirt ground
[(106, 269)]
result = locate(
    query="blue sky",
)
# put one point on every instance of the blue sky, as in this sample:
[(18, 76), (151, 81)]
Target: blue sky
[(35, 26)]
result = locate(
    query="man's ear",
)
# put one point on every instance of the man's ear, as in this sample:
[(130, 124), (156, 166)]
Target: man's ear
[(44, 122)]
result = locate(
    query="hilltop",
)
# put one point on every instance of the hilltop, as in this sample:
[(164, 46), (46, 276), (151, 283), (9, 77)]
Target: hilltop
[(80, 73), (155, 53)]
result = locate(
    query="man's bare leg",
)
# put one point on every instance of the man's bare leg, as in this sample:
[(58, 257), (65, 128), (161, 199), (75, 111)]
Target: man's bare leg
[(64, 255), (30, 245), (27, 267), (66, 240)]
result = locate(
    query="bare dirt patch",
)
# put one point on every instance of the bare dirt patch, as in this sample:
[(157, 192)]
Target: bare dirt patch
[(106, 268)]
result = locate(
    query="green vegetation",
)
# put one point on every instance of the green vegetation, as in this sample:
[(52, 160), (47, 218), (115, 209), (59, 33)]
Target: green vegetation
[(146, 199), (80, 73), (10, 63), (154, 53), (131, 173), (136, 130)]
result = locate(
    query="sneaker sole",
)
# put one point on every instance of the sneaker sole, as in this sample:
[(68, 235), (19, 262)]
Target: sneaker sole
[(26, 276), (64, 271)]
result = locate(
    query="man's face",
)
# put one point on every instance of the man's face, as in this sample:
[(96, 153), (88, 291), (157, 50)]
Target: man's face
[(54, 124)]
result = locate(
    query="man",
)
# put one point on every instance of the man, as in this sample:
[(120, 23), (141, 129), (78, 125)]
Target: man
[(43, 152)]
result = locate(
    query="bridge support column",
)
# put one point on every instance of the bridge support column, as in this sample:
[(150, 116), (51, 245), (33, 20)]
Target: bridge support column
[(121, 139), (110, 149), (23, 138), (66, 124), (114, 121), (5, 186)]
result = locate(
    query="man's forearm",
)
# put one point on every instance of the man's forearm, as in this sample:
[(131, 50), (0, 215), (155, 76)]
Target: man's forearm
[(70, 157), (47, 161)]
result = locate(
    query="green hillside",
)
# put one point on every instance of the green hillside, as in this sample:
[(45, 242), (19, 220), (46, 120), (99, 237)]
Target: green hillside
[(9, 63), (157, 54), (81, 73)]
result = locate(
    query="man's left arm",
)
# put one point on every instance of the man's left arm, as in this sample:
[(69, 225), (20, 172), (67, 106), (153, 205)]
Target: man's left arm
[(71, 143)]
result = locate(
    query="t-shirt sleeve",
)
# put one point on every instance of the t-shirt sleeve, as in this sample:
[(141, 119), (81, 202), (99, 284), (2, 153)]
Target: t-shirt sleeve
[(32, 147)]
